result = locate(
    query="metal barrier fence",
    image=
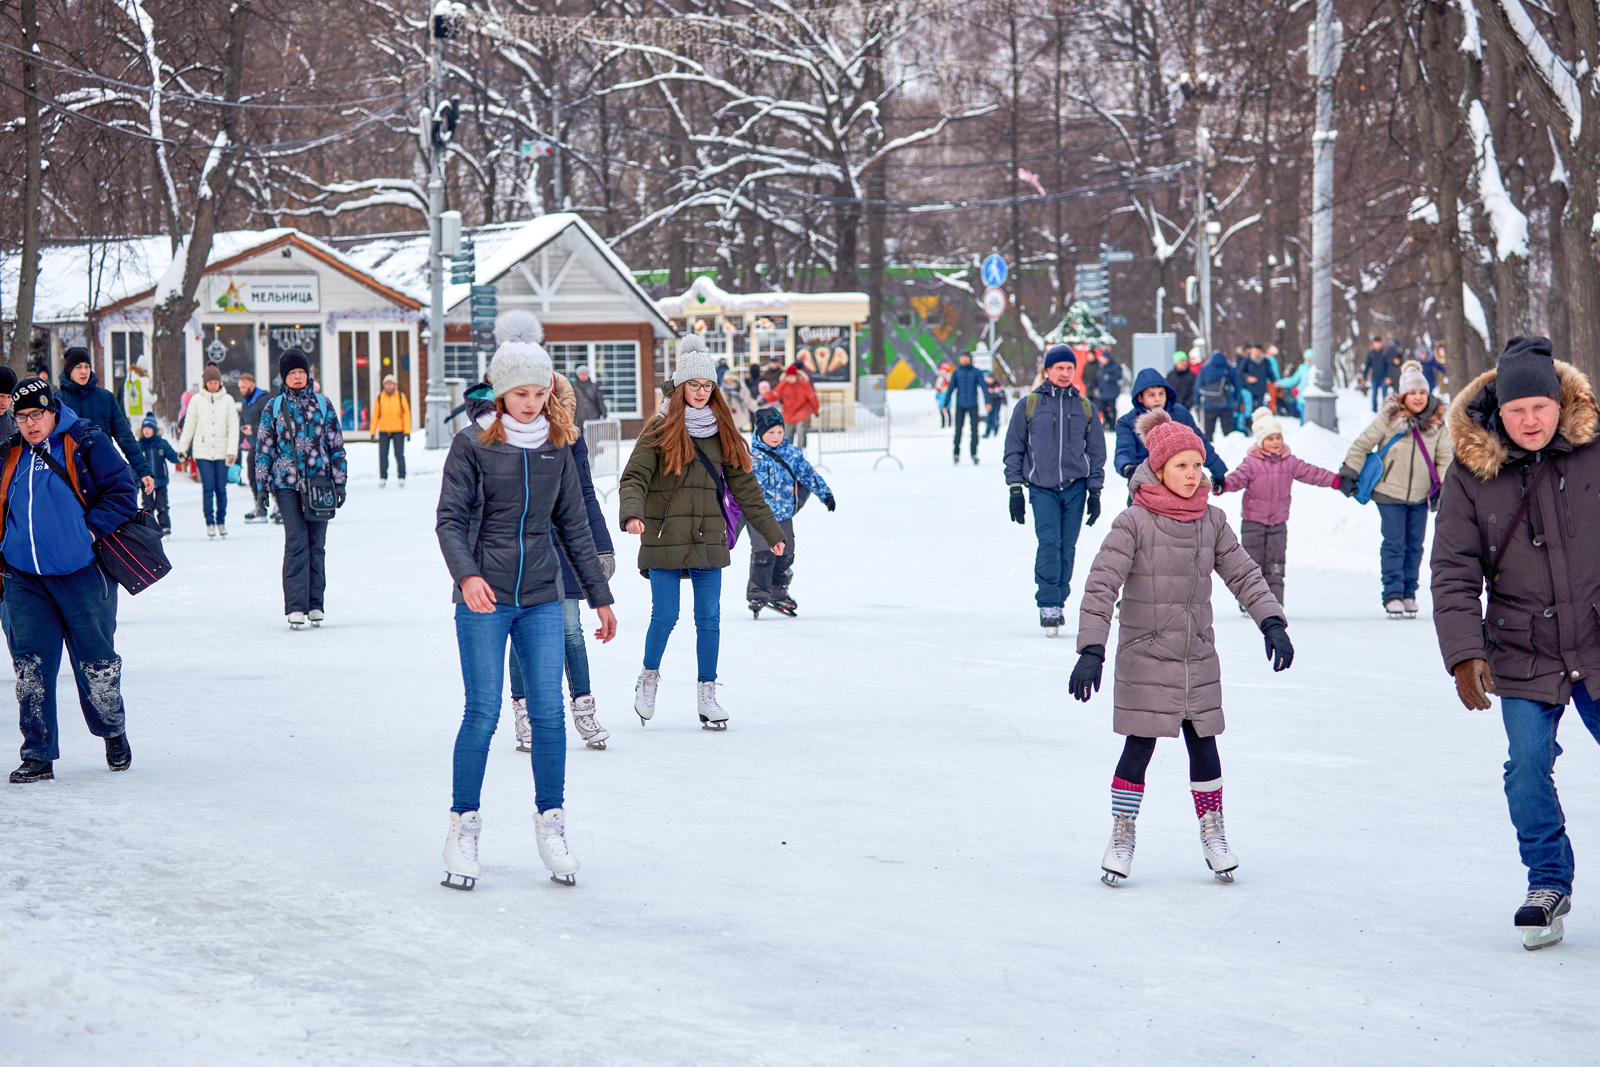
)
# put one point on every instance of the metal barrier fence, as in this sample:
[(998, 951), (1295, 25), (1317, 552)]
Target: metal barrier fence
[(604, 438), (852, 428)]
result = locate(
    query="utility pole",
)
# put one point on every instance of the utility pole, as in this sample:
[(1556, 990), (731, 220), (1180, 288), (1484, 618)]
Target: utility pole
[(1202, 241), (438, 124), (32, 191), (1324, 55)]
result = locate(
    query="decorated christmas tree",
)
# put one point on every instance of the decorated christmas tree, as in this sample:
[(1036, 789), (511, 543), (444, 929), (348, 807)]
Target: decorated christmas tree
[(1078, 328)]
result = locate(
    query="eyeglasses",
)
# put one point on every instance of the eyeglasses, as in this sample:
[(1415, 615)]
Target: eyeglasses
[(32, 416), (700, 386)]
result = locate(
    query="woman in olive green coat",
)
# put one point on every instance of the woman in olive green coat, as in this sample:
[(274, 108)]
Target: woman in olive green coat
[(671, 498)]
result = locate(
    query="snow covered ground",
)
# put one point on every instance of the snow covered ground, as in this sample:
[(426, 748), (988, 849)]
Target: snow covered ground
[(892, 856)]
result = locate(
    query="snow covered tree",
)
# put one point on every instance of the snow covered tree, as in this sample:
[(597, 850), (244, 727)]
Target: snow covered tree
[(1080, 329)]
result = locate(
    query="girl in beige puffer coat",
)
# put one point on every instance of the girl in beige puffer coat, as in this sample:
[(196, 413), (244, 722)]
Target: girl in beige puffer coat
[(1159, 554)]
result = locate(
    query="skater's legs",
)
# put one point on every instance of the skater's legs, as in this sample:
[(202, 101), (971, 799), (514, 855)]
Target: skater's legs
[(1531, 791), (537, 633), (296, 555), (707, 583), (1136, 753), (576, 651), (87, 602), (783, 566), (163, 510), (1392, 555), (519, 690), (1048, 511), (1265, 544), (481, 638), (1416, 530), (1277, 558), (1213, 416), (762, 560), (383, 454), (37, 632), (664, 583), (1204, 763), (213, 489), (317, 543), (399, 442), (963, 415)]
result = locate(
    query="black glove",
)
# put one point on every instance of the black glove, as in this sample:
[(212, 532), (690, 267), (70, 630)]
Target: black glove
[(1128, 469), (338, 496), (1094, 507), (1019, 511), (1085, 680), (827, 501), (1279, 650), (1347, 481)]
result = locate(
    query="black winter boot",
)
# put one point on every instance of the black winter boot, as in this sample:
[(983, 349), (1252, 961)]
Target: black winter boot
[(33, 770), (118, 754)]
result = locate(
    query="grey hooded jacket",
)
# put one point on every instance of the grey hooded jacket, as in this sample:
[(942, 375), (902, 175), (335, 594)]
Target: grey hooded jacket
[(1061, 443)]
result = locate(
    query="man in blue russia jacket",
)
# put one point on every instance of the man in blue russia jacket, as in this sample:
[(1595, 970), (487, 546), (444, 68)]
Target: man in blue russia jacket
[(1219, 390), (55, 591), (1130, 449), (1055, 447), (966, 389)]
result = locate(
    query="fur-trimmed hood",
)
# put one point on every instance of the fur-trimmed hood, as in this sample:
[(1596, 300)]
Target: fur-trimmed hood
[(1395, 414), (1475, 430)]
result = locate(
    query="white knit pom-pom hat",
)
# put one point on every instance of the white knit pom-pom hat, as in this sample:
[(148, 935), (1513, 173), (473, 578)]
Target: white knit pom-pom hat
[(520, 359), (693, 361)]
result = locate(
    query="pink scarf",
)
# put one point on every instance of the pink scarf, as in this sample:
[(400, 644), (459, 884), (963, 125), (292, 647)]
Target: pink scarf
[(1158, 499)]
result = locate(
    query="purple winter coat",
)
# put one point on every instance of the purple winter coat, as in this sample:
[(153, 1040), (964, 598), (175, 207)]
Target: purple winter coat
[(1266, 481)]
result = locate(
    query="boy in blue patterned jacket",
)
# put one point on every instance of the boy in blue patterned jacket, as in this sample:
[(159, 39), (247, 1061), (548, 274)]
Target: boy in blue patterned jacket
[(783, 472)]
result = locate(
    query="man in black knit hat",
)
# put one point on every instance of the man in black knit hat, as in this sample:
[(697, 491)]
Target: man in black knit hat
[(80, 391), (1520, 517)]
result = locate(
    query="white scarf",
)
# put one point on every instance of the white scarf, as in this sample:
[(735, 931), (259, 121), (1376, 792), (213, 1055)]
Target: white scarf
[(702, 422), (529, 435)]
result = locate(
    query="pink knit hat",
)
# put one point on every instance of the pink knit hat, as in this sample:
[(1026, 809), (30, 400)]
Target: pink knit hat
[(1165, 438)]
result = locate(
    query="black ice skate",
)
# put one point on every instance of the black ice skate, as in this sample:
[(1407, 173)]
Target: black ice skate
[(1539, 918), (785, 605), (33, 770), (1051, 619), (755, 604)]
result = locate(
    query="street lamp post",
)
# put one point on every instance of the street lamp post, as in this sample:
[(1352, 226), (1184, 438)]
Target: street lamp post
[(438, 127), (1318, 397)]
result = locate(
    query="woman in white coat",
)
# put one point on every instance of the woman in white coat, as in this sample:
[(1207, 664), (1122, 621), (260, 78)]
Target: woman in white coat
[(211, 436)]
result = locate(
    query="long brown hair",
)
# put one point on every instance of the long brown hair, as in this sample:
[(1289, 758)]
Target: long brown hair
[(556, 410), (669, 434)]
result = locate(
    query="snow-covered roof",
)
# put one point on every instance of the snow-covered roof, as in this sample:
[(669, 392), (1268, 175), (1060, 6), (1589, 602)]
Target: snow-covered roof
[(80, 278), (402, 262), (704, 286)]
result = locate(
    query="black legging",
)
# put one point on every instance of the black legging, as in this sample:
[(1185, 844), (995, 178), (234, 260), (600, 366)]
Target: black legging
[(1204, 763)]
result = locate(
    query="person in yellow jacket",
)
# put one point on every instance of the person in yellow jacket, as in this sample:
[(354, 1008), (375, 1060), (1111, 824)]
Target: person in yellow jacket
[(391, 421)]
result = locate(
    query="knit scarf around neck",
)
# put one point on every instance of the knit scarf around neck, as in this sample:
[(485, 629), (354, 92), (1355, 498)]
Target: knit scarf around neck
[(529, 435), (1157, 498), (702, 422)]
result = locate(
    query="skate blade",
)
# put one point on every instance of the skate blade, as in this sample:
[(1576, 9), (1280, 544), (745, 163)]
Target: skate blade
[(523, 746), (600, 744), (564, 879), (1226, 876), (1537, 937), (1052, 631), (1111, 878), (465, 884), (707, 724)]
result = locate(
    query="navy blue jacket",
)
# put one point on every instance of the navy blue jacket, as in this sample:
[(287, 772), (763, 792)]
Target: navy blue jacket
[(1108, 380), (1219, 367), (98, 406), (158, 453), (46, 529), (967, 385), (597, 521), (1130, 449), (1062, 443)]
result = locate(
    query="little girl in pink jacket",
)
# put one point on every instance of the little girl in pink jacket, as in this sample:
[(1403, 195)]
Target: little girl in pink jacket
[(1267, 475)]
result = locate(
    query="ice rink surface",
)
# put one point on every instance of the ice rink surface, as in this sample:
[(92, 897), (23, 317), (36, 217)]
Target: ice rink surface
[(891, 856)]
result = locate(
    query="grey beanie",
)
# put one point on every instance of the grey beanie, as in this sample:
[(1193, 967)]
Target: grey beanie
[(693, 361), (1411, 378), (521, 359)]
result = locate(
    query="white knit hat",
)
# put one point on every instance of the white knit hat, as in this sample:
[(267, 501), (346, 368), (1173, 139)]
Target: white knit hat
[(1263, 424), (521, 359), (693, 361), (1411, 378)]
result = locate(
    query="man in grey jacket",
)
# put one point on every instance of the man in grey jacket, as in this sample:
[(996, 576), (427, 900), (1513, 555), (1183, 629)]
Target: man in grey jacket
[(1055, 447)]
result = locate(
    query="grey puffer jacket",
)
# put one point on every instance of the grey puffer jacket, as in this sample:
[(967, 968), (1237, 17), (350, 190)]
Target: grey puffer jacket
[(1167, 668), (499, 506), (1061, 443)]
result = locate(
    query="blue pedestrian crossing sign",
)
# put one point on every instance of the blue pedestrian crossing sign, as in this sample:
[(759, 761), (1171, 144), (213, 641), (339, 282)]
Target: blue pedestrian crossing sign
[(994, 272)]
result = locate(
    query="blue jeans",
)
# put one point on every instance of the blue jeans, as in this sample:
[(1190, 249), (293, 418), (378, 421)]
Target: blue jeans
[(577, 656), (214, 489), (43, 611), (1531, 788), (1404, 526), (536, 634), (1057, 518), (1379, 391), (707, 582)]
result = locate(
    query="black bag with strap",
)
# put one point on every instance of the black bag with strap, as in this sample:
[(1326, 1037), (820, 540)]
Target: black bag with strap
[(319, 499), (131, 555)]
